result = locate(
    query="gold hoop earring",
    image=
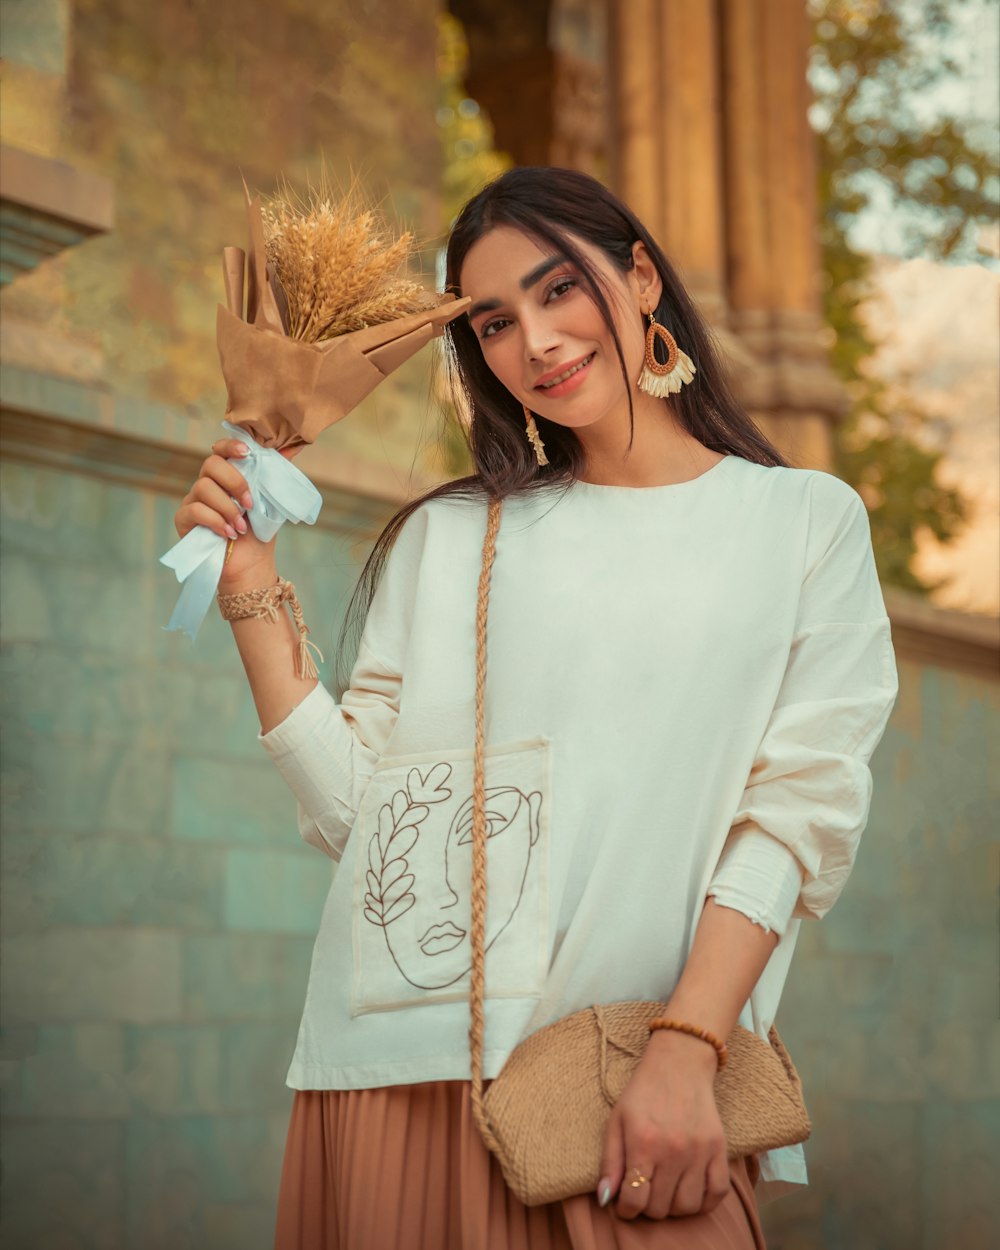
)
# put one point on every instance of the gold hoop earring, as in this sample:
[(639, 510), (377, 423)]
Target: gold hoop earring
[(668, 378), (534, 438)]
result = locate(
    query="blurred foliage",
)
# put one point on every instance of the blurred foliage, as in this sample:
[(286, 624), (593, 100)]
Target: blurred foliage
[(470, 161), (873, 66)]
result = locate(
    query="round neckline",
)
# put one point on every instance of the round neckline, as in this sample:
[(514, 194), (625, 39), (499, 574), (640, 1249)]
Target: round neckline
[(580, 484)]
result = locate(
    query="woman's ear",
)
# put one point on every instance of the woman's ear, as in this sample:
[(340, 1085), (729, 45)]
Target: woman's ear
[(649, 284)]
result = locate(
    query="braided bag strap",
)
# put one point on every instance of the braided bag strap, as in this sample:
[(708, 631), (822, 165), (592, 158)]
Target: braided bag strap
[(477, 989)]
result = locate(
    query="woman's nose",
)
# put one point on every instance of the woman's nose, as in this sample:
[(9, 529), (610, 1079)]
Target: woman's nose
[(540, 340)]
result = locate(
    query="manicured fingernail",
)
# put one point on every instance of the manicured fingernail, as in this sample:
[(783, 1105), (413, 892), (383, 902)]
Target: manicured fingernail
[(604, 1192), (246, 499), (242, 449), (231, 532), (241, 525)]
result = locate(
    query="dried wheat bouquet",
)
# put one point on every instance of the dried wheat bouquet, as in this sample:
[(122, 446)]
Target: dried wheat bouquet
[(337, 264), (329, 312), (319, 310)]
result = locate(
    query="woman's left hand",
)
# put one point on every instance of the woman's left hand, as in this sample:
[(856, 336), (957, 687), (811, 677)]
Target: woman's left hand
[(666, 1125)]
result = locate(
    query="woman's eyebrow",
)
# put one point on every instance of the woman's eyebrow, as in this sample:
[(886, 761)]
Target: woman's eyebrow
[(525, 283), (539, 272)]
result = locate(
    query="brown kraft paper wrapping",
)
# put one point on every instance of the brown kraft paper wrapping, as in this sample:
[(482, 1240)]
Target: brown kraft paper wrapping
[(285, 392)]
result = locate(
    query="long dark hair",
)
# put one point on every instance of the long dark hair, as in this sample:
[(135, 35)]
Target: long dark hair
[(554, 206)]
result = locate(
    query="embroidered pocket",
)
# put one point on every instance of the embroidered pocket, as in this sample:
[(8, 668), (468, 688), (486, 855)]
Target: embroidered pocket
[(413, 876)]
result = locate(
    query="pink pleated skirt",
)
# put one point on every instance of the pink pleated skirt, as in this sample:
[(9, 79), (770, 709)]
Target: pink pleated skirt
[(403, 1167)]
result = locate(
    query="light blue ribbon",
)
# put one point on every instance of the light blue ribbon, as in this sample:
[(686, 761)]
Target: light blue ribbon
[(280, 492)]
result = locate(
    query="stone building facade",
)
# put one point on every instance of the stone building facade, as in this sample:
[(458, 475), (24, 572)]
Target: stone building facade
[(158, 908)]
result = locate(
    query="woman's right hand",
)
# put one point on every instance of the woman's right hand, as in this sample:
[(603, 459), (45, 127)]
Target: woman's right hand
[(209, 502)]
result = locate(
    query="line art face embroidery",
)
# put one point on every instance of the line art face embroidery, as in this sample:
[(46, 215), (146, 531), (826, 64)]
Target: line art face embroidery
[(420, 867)]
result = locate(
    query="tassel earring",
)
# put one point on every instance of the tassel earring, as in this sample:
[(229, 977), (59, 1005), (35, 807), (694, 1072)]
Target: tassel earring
[(666, 379), (534, 438)]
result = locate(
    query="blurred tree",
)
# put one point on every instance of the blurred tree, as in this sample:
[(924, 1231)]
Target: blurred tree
[(470, 161), (874, 66)]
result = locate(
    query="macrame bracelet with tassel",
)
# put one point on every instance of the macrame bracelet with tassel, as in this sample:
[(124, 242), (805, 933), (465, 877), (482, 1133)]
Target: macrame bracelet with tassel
[(722, 1050), (265, 601)]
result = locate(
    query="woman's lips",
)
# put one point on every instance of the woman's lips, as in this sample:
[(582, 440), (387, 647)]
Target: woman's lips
[(441, 938), (570, 384)]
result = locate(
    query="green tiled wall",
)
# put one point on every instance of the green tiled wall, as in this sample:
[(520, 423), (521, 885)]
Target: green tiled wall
[(158, 906), (891, 1006)]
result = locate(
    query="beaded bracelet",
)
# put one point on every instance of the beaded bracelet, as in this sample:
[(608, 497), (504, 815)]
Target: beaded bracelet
[(265, 601), (722, 1049)]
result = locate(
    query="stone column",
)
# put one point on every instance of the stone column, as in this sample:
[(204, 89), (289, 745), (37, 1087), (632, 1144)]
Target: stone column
[(690, 142), (772, 226), (635, 104), (790, 154), (667, 132), (747, 223), (666, 88)]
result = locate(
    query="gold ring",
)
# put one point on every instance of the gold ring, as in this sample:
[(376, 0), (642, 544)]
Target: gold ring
[(639, 1179)]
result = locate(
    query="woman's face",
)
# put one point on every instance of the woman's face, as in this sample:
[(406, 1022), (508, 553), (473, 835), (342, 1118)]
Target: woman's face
[(541, 333)]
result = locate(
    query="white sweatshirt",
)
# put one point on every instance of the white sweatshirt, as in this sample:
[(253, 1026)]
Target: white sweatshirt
[(684, 687)]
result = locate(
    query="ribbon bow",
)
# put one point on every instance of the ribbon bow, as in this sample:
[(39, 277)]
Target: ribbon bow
[(281, 493)]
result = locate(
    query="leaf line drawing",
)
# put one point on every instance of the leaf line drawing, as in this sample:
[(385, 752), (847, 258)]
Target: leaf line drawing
[(388, 880)]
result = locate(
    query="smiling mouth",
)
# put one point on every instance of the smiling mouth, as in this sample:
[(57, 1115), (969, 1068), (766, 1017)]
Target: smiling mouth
[(567, 373), (441, 938)]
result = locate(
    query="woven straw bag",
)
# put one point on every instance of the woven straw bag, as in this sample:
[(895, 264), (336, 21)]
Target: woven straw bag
[(545, 1115)]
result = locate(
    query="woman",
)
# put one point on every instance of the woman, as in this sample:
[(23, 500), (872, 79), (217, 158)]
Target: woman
[(689, 667)]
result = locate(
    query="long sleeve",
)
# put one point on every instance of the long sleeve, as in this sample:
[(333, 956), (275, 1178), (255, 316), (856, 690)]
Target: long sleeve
[(326, 752), (759, 876), (810, 785)]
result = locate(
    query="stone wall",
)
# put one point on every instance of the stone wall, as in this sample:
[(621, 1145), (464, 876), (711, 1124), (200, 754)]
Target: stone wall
[(891, 1002), (158, 907), (172, 104)]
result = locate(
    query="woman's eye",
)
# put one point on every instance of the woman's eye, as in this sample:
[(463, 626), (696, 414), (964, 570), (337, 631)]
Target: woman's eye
[(559, 288), (492, 327)]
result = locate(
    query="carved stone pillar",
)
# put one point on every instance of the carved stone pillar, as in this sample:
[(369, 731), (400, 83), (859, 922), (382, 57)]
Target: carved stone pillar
[(691, 149), (667, 156), (579, 113), (771, 215), (635, 107)]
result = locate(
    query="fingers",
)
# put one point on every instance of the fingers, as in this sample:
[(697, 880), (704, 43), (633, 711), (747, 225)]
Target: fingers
[(719, 1180), (612, 1161), (676, 1193), (668, 1191), (635, 1191), (207, 491), (661, 1178), (230, 447), (218, 468), (202, 514), (210, 501), (698, 1190)]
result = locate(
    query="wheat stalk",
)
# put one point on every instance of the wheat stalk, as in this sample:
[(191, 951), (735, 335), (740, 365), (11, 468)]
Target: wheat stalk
[(337, 263)]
